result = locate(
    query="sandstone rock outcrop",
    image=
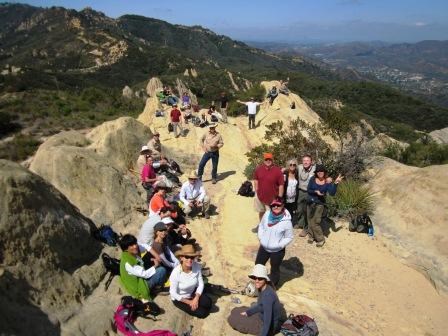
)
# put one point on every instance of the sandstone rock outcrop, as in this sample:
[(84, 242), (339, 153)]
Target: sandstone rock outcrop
[(440, 136), (154, 85), (45, 243), (127, 92)]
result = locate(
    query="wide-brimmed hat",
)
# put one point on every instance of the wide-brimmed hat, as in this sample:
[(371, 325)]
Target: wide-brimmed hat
[(145, 149), (212, 125), (193, 175), (187, 251), (259, 271)]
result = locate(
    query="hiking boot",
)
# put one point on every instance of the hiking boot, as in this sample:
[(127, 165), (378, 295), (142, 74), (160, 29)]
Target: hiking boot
[(207, 215), (255, 229), (320, 244), (310, 240), (303, 233), (214, 181)]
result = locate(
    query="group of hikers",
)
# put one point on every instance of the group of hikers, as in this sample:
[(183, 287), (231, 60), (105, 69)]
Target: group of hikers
[(164, 258)]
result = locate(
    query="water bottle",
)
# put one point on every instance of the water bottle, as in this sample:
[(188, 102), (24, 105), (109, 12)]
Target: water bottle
[(371, 231)]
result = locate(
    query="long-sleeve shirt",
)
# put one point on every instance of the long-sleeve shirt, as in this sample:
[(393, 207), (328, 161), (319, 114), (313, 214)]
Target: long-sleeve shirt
[(183, 285), (268, 306), (166, 255), (212, 142), (329, 188), (275, 237), (146, 234), (190, 192), (138, 270)]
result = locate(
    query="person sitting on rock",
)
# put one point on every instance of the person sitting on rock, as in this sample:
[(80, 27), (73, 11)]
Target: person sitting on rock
[(272, 94), (193, 196), (160, 161), (155, 146), (187, 285), (187, 113), (284, 87), (158, 201), (146, 234), (264, 317), (186, 100), (141, 160), (215, 116), (184, 235), (137, 280), (149, 178), (160, 246)]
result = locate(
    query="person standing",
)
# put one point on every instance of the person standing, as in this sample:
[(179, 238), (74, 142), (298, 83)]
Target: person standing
[(291, 194), (211, 142), (224, 102), (176, 120), (305, 172), (318, 187), (275, 233), (251, 111), (268, 184)]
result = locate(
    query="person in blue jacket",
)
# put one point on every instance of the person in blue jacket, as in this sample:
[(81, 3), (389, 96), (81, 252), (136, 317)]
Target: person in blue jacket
[(319, 186)]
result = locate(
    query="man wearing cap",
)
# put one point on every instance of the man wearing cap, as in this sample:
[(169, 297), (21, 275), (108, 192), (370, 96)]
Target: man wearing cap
[(193, 196), (251, 111), (210, 142), (176, 115), (304, 171), (268, 184)]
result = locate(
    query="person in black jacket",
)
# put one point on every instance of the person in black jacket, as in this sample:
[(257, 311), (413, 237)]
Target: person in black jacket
[(291, 193)]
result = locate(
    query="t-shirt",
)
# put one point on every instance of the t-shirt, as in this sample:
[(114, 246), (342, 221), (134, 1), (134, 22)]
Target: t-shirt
[(252, 107), (175, 115), (147, 172), (146, 234), (186, 285), (224, 101), (269, 179), (291, 191)]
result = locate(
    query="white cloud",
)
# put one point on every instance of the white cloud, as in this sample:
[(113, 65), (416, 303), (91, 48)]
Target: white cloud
[(420, 24)]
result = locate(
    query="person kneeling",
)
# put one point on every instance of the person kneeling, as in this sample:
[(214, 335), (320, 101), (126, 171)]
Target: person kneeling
[(193, 196), (135, 279), (264, 317), (187, 285)]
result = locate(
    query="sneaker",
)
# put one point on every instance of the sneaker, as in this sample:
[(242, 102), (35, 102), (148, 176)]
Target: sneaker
[(303, 233), (214, 181), (320, 244)]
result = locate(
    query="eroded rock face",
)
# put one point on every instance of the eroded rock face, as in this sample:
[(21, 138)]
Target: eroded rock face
[(45, 245), (92, 170), (154, 85)]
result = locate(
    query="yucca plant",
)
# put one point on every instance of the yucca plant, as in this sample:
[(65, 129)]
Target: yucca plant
[(352, 198)]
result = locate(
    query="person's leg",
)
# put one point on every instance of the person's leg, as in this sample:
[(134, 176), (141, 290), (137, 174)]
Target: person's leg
[(291, 207), (204, 307), (311, 223), (215, 161), (175, 124), (301, 210), (187, 209), (202, 163), (276, 260), (224, 114), (262, 256), (318, 233), (182, 306), (158, 279), (205, 205), (251, 325)]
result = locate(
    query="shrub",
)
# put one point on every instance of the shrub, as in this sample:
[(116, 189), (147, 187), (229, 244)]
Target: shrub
[(257, 92), (20, 148), (352, 198)]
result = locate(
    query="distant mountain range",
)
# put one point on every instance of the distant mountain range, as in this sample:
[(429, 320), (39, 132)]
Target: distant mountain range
[(417, 67)]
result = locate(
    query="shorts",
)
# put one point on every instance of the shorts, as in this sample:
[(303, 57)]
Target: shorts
[(259, 206)]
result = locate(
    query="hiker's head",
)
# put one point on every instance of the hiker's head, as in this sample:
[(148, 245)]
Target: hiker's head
[(193, 177), (169, 223), (161, 188), (277, 206), (165, 212), (174, 105), (292, 165), (186, 255), (268, 159), (157, 135), (212, 107), (320, 172), (212, 127), (223, 94), (149, 159), (129, 243), (306, 161), (260, 276), (252, 99), (160, 230), (145, 150)]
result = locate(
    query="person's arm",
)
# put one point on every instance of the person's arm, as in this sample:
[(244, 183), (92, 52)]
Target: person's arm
[(257, 308), (332, 188), (174, 285), (312, 187), (281, 182), (139, 271), (262, 225), (220, 142), (200, 288), (166, 262), (268, 304), (239, 101), (201, 193), (183, 195), (281, 190), (288, 235)]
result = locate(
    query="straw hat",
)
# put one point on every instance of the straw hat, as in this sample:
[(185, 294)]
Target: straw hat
[(259, 271), (193, 175), (187, 251)]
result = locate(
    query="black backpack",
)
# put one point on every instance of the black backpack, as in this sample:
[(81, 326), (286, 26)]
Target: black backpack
[(106, 235), (246, 189), (214, 118), (170, 127), (112, 266), (299, 325), (138, 308), (360, 224)]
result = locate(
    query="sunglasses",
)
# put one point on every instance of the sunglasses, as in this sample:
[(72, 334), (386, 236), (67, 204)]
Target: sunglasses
[(258, 279), (293, 164), (276, 206), (189, 257)]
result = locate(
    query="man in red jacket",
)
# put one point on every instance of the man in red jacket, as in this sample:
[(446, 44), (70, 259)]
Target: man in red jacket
[(176, 120)]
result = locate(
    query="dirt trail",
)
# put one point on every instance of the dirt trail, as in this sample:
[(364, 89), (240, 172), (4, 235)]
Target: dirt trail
[(352, 286)]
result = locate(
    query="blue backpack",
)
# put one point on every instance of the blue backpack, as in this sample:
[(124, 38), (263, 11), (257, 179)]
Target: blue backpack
[(106, 235)]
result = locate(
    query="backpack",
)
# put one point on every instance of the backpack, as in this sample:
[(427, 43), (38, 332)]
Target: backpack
[(106, 235), (112, 266), (214, 118), (299, 325), (170, 127), (360, 224), (159, 113), (246, 189), (196, 120)]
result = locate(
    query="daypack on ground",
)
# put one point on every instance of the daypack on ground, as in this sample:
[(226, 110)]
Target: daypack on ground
[(112, 266), (246, 189), (106, 235), (360, 223), (299, 325), (170, 127)]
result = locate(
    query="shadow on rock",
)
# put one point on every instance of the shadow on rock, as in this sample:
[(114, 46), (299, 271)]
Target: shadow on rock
[(290, 269), (327, 224)]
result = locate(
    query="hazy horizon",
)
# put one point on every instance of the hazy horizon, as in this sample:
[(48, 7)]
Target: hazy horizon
[(325, 21)]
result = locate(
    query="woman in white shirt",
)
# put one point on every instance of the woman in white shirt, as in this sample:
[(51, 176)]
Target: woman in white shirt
[(187, 285), (291, 187)]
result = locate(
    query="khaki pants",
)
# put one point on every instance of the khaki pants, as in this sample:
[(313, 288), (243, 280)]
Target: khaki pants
[(205, 206), (224, 114), (175, 126), (301, 210), (314, 218)]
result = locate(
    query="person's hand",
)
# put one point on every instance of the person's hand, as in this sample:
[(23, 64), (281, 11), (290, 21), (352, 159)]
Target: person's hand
[(319, 193), (243, 313), (338, 179), (194, 303), (159, 178), (198, 203), (191, 204), (156, 262), (328, 180)]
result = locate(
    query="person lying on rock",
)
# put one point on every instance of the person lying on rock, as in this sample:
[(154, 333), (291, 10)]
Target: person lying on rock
[(184, 236), (193, 196), (137, 280), (264, 317), (160, 161), (318, 187), (187, 285)]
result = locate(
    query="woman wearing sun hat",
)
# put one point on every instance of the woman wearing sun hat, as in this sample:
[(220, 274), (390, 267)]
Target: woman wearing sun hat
[(187, 285), (262, 318), (275, 233)]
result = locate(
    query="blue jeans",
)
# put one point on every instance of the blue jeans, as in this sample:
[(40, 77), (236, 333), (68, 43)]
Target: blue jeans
[(172, 100), (158, 279), (215, 159)]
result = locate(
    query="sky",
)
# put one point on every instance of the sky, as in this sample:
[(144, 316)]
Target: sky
[(290, 20)]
